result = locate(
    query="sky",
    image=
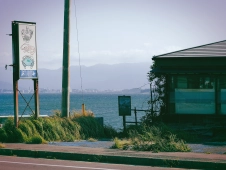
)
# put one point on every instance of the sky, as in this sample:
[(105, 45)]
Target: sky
[(113, 31)]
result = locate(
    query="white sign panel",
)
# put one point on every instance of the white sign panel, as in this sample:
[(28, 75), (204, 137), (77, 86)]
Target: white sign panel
[(27, 51)]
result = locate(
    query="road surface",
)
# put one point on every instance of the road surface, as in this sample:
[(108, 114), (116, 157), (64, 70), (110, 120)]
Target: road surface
[(20, 163)]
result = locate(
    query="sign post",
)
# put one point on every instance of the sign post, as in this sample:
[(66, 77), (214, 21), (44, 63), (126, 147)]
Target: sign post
[(124, 105), (24, 60)]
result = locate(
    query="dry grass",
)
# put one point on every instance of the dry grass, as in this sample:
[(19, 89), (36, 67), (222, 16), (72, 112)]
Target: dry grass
[(2, 145), (92, 140), (78, 113), (121, 144)]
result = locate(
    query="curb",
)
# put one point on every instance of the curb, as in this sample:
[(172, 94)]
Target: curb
[(145, 161)]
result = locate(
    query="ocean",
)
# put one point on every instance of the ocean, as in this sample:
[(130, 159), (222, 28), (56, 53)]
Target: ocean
[(102, 105)]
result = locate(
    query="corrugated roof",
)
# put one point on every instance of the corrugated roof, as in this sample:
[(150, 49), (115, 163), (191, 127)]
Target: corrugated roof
[(217, 49)]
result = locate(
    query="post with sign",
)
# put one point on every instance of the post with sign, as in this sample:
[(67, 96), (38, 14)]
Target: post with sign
[(24, 60), (124, 105)]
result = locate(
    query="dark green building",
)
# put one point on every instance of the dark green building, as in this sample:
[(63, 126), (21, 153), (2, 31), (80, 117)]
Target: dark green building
[(195, 82)]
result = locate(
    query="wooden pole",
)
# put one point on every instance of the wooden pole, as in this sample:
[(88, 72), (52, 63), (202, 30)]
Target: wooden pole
[(15, 72), (83, 109), (135, 112), (36, 98), (15, 96), (66, 62), (124, 123)]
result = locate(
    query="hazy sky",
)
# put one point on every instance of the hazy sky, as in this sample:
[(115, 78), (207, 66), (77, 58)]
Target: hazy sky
[(114, 31)]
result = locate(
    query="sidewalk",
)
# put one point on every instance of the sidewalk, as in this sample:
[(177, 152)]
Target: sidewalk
[(165, 159)]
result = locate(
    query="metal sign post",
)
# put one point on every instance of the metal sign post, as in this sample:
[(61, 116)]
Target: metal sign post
[(24, 60)]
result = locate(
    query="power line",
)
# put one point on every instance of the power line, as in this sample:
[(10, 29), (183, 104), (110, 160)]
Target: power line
[(80, 68)]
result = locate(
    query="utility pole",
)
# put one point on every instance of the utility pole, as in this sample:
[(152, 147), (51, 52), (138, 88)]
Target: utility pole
[(36, 98), (66, 62), (15, 73)]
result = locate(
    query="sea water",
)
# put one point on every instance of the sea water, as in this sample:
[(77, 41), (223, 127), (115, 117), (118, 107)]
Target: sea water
[(102, 105)]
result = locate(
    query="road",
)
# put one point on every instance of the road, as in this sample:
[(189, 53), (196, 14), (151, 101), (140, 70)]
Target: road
[(20, 163)]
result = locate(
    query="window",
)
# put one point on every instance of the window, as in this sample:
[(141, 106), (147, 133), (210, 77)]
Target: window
[(193, 95)]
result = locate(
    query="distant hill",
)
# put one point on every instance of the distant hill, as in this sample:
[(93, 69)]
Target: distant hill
[(100, 77)]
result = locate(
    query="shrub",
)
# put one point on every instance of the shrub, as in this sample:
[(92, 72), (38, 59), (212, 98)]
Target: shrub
[(52, 128), (10, 130), (152, 138), (90, 128), (3, 135), (121, 144), (20, 136), (38, 125), (157, 138), (110, 132), (35, 140)]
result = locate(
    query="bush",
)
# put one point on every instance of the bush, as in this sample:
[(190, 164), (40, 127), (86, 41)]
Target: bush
[(9, 128), (3, 135), (90, 128), (53, 128), (110, 132), (121, 144), (35, 140), (158, 138)]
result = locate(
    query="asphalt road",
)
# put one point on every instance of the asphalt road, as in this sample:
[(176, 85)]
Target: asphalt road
[(19, 163)]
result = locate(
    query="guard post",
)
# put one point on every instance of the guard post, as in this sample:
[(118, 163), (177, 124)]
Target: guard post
[(24, 51)]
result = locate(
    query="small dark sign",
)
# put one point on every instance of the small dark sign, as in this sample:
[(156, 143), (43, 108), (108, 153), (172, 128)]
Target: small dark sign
[(124, 105)]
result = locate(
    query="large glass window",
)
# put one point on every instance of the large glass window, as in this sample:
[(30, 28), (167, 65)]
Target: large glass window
[(193, 94)]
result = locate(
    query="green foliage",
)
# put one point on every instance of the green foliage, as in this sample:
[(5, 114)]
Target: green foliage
[(110, 132), (20, 136), (90, 128), (3, 135), (38, 126), (35, 140), (121, 144), (158, 138), (10, 130), (52, 128), (158, 102)]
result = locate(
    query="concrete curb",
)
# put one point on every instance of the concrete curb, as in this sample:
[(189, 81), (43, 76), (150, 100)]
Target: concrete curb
[(131, 160)]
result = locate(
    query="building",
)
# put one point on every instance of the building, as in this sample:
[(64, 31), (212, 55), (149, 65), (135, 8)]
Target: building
[(195, 82)]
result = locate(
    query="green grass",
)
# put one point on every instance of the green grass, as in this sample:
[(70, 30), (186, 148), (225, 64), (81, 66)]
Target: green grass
[(158, 138), (54, 128), (151, 138), (35, 140)]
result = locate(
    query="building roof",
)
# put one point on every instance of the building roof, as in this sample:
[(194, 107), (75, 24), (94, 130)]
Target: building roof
[(217, 49)]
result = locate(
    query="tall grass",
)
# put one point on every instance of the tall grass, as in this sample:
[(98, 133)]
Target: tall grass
[(156, 138), (52, 128)]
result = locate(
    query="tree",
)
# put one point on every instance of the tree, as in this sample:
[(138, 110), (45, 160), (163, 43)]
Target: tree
[(157, 100)]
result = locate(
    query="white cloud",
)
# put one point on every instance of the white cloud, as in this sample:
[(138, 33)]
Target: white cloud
[(53, 60), (111, 57)]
